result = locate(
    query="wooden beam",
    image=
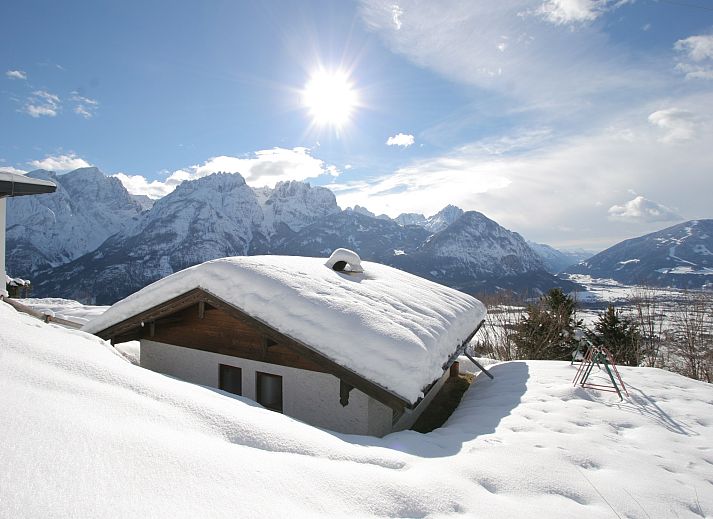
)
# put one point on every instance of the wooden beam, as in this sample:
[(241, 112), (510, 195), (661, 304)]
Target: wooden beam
[(166, 308), (201, 309), (470, 357)]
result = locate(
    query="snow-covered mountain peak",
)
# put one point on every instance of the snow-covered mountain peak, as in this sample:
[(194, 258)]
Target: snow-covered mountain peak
[(411, 219), (297, 205), (443, 218)]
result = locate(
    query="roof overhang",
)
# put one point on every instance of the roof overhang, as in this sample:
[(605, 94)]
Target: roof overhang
[(13, 184)]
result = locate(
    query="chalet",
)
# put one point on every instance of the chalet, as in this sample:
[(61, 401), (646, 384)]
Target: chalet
[(355, 347), (12, 184)]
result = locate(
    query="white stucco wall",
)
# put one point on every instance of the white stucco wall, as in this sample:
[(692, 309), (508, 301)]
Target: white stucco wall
[(306, 395), (2, 246)]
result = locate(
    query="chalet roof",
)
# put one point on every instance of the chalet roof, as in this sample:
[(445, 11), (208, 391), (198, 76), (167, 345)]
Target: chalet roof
[(390, 327), (13, 184)]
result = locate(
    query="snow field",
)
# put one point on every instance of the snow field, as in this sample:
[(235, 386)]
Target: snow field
[(87, 434)]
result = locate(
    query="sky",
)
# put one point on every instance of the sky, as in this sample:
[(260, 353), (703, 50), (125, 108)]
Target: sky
[(577, 123)]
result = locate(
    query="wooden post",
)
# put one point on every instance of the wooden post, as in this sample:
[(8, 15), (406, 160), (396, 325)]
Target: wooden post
[(344, 390), (455, 369), (201, 309)]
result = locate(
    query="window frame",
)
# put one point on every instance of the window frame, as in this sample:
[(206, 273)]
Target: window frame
[(221, 377), (258, 393)]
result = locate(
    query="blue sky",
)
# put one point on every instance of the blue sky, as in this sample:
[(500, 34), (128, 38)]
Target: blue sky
[(574, 122)]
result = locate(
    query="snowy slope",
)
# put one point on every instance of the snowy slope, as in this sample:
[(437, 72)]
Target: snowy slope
[(679, 256), (87, 434)]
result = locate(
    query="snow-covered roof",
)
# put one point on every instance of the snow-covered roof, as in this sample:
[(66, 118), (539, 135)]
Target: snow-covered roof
[(390, 327), (14, 184)]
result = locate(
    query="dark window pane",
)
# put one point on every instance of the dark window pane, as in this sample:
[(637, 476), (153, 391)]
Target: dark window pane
[(269, 391), (231, 379)]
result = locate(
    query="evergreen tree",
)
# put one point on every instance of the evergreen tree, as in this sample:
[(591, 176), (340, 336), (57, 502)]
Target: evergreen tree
[(546, 331), (619, 334)]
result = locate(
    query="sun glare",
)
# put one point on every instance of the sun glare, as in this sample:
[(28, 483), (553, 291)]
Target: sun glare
[(330, 98)]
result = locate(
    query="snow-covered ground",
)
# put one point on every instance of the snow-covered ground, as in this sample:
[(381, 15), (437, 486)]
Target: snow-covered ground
[(87, 434), (64, 308)]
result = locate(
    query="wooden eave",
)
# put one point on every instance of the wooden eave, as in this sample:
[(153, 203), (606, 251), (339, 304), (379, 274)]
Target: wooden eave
[(131, 328)]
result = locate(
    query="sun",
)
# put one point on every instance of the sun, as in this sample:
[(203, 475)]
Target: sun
[(330, 98)]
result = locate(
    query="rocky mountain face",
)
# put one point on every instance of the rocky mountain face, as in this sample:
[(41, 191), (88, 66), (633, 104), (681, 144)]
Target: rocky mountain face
[(52, 229), (296, 205), (679, 256), (555, 260), (220, 215)]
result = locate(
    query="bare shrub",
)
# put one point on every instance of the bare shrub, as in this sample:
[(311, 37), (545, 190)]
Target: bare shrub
[(496, 337), (649, 316), (691, 336)]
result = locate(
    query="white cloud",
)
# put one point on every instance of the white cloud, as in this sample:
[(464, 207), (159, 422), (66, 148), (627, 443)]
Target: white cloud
[(138, 185), (697, 48), (640, 209), (264, 167), (400, 139), (678, 125), (570, 11), (10, 169), (42, 103), (84, 106), (696, 56), (16, 74), (60, 163)]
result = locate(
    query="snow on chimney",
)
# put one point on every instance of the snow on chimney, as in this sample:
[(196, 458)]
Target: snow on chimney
[(344, 260)]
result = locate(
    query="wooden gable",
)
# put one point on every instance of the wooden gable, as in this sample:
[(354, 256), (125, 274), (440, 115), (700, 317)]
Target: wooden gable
[(200, 320)]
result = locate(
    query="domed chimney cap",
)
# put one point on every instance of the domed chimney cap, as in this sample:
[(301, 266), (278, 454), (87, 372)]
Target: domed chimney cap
[(344, 260)]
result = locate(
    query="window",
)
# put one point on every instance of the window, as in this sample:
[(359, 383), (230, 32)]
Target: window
[(269, 391), (231, 379)]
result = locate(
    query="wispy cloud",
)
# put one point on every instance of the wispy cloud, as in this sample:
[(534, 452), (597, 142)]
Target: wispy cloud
[(534, 188), (16, 74), (84, 106), (400, 139), (396, 14), (42, 104), (264, 167), (640, 209), (678, 125), (505, 48), (60, 163)]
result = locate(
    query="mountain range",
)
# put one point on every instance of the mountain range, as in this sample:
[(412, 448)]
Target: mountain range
[(678, 256), (94, 242)]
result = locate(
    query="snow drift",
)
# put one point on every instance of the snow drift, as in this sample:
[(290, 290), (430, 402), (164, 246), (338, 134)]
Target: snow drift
[(86, 434)]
